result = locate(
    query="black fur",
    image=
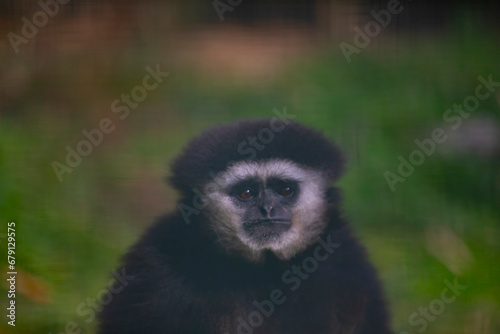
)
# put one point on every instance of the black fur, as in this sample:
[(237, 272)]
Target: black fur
[(217, 147), (185, 283)]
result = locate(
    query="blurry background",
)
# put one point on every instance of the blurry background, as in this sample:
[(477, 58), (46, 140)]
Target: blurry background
[(374, 88)]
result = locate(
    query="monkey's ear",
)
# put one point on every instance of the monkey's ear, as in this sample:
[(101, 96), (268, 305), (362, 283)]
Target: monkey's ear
[(335, 162), (333, 195)]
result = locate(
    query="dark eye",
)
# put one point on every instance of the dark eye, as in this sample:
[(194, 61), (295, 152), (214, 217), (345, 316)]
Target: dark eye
[(286, 191), (246, 194)]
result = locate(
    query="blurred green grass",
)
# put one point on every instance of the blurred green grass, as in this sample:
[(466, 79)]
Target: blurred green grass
[(70, 235)]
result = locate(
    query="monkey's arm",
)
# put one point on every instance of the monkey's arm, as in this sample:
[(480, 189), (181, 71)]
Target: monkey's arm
[(157, 299)]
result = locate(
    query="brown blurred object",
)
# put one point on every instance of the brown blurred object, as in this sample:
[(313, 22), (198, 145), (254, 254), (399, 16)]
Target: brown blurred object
[(31, 287)]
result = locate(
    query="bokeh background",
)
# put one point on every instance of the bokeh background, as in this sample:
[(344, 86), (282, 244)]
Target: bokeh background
[(229, 60)]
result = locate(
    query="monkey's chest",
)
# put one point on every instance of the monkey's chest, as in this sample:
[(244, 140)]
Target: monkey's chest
[(290, 309)]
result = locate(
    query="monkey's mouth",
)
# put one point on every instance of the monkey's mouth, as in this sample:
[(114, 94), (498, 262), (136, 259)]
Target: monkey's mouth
[(276, 221), (262, 229), (270, 222)]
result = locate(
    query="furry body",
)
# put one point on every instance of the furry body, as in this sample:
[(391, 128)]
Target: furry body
[(204, 275)]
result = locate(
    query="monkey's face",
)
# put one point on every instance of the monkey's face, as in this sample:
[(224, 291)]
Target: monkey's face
[(266, 206), (272, 205)]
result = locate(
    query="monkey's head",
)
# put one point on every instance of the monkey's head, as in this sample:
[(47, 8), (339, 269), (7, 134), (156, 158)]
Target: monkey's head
[(261, 185)]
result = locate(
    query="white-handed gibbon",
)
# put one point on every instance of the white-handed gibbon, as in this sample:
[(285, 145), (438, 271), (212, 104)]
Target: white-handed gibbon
[(258, 243)]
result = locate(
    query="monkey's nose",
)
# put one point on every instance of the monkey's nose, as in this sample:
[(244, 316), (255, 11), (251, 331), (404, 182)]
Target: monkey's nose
[(266, 205), (266, 209)]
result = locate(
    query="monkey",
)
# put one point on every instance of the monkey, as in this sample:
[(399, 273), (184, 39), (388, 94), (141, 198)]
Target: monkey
[(257, 243)]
